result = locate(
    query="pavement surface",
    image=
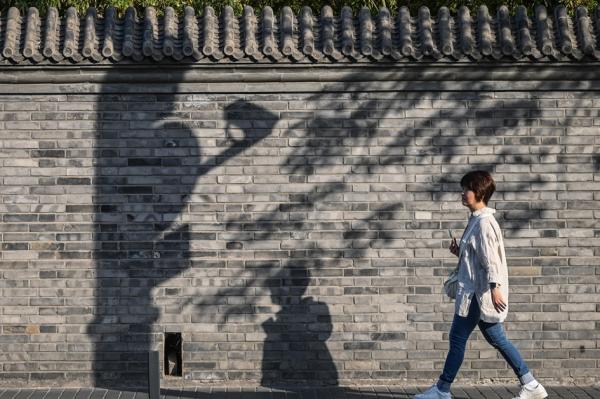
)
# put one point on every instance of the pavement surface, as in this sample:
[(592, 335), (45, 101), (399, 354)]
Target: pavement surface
[(389, 392)]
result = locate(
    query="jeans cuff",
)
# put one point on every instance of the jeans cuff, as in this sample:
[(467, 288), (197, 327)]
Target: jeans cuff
[(443, 386), (526, 378)]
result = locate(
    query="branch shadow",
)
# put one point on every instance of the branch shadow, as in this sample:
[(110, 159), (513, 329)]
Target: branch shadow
[(147, 162), (418, 143), (355, 223)]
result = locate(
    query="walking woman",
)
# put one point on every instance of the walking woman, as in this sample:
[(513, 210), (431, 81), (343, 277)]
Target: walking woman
[(482, 293)]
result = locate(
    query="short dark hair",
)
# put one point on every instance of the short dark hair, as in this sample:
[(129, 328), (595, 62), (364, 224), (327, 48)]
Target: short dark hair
[(481, 183)]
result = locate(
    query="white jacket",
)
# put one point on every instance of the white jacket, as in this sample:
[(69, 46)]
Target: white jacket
[(482, 261)]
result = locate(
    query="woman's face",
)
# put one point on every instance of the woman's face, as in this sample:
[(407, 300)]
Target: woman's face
[(468, 197)]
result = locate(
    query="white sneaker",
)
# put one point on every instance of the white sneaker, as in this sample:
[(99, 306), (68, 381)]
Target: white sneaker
[(538, 392), (433, 393)]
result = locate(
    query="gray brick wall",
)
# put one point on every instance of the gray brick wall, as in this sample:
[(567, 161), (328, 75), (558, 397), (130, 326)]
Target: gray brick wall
[(125, 216)]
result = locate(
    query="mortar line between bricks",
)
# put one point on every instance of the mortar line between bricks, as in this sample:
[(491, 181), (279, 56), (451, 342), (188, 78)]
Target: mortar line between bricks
[(74, 392), (31, 392), (384, 391), (551, 391), (20, 393), (579, 393), (169, 393), (400, 394), (394, 395), (139, 394), (567, 392), (16, 392), (89, 392), (586, 391), (43, 394), (507, 392), (100, 389)]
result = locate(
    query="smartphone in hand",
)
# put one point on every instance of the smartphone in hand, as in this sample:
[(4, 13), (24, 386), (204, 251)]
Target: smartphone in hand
[(453, 245)]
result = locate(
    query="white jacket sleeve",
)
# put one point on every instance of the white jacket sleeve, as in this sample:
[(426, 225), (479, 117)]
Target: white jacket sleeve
[(488, 252)]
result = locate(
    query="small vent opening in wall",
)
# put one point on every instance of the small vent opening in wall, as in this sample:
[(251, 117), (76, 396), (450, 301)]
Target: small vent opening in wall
[(172, 355)]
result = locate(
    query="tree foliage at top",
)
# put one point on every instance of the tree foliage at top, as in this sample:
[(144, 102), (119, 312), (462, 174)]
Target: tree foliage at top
[(374, 5)]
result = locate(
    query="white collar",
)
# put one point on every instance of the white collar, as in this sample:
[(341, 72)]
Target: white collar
[(483, 212)]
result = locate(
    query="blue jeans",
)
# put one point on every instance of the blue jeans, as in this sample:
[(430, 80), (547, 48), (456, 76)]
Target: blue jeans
[(462, 327)]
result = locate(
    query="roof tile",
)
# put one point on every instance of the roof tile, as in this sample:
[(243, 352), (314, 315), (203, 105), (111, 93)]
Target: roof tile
[(526, 43), (306, 38)]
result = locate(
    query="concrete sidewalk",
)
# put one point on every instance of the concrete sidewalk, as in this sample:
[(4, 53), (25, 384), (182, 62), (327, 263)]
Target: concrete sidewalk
[(389, 392)]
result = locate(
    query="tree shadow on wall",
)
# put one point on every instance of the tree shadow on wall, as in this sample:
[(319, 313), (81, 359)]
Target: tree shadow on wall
[(144, 183), (147, 162), (384, 169)]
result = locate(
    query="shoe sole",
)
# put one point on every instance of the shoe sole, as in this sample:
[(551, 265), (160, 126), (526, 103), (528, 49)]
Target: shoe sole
[(542, 396)]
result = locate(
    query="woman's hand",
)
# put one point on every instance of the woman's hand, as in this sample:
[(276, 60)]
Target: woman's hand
[(497, 300), (454, 247)]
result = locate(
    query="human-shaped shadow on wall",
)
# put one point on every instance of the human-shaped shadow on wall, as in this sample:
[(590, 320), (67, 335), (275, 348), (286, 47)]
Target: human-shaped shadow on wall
[(295, 352), (146, 168)]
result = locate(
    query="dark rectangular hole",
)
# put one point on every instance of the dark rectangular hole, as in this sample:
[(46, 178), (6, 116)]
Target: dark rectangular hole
[(172, 355)]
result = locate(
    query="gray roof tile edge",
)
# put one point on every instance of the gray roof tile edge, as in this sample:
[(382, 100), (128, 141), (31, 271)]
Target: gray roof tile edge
[(314, 38)]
